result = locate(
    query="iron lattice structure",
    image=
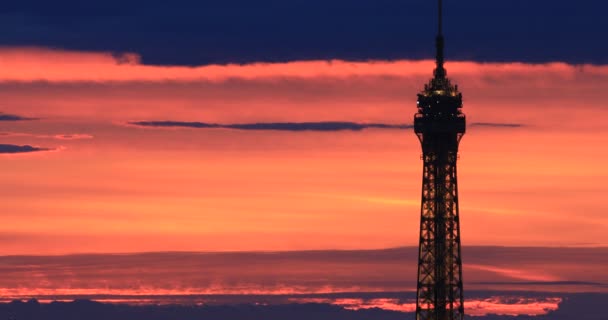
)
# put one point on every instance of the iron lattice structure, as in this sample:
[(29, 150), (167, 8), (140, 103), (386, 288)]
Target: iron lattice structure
[(439, 124)]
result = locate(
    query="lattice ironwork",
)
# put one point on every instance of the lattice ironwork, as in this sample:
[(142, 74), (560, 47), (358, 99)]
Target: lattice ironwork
[(439, 125)]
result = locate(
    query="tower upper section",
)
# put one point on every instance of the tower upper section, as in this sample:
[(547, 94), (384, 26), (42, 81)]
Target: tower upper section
[(440, 103)]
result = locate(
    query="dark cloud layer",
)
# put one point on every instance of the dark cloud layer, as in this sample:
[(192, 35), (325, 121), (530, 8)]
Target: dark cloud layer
[(298, 126), (201, 32), (279, 126), (85, 309), (11, 148), (12, 117), (587, 306)]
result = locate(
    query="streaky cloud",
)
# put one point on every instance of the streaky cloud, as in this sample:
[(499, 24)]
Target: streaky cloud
[(12, 149), (496, 125), (298, 126), (60, 136), (543, 283), (276, 126), (169, 124), (49, 65), (13, 117), (315, 126)]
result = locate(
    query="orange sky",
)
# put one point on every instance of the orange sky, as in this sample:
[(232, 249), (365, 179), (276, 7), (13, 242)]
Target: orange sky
[(120, 188)]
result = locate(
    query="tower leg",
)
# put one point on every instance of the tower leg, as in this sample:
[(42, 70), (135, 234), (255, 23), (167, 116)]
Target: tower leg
[(439, 287)]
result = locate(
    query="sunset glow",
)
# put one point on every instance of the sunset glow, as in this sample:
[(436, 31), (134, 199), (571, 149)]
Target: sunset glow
[(113, 187), (326, 160)]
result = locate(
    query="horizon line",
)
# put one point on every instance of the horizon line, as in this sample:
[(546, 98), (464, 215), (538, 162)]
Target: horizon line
[(261, 251)]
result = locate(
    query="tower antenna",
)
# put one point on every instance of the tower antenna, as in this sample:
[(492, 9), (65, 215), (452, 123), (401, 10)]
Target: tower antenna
[(439, 70)]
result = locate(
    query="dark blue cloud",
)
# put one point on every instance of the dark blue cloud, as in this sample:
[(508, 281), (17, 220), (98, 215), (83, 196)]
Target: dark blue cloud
[(201, 32), (13, 117), (86, 309), (11, 148), (299, 126), (585, 306), (280, 126)]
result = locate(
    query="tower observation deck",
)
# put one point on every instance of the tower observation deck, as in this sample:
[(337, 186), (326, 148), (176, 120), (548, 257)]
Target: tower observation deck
[(439, 125)]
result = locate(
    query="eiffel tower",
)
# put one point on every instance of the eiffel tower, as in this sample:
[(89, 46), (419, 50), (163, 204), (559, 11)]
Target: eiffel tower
[(439, 125)]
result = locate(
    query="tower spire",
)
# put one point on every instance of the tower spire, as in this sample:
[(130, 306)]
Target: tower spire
[(439, 70)]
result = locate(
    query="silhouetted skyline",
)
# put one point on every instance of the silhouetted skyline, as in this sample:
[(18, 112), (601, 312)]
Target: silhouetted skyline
[(587, 306)]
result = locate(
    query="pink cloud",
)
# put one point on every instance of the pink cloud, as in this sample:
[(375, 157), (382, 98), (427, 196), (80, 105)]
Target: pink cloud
[(518, 274), (60, 136), (24, 64)]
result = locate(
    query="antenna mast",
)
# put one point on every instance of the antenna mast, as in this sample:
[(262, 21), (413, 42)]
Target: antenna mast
[(439, 70)]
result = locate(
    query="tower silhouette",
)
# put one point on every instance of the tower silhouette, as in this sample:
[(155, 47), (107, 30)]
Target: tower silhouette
[(439, 125)]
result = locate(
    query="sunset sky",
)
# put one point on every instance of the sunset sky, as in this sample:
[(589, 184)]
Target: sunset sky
[(122, 160), (263, 152), (138, 145)]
